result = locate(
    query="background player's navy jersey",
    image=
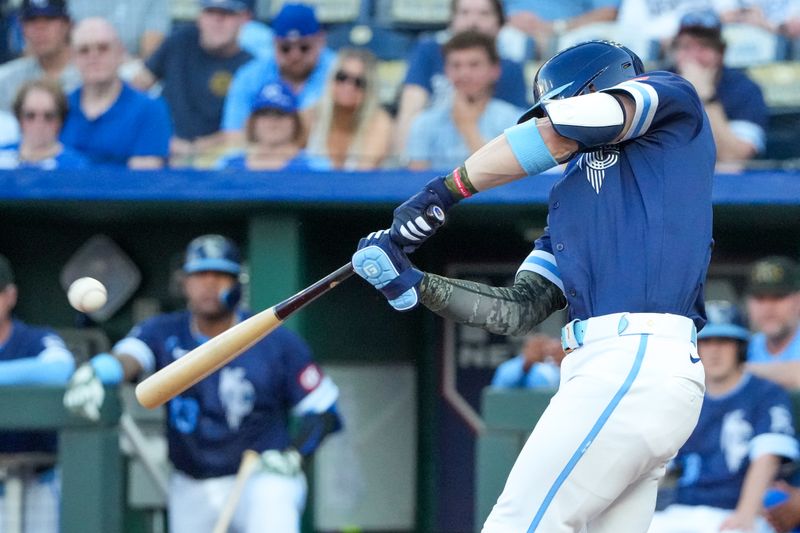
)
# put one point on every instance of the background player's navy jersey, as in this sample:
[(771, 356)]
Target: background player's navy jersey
[(752, 420), (630, 224), (244, 405), (29, 341)]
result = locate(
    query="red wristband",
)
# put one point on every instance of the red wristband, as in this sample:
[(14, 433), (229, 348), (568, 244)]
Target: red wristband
[(460, 184)]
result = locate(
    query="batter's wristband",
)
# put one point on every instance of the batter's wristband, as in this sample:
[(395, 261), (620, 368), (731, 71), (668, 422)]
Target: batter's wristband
[(458, 183)]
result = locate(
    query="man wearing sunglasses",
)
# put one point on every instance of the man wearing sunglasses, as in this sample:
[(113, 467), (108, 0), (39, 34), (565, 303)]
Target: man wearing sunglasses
[(45, 27), (302, 61)]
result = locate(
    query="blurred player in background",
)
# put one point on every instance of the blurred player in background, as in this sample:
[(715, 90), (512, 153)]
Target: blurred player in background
[(31, 356), (537, 365), (627, 248), (744, 433), (773, 304), (245, 405)]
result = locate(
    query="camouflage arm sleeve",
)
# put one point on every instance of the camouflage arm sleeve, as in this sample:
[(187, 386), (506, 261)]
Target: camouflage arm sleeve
[(511, 310)]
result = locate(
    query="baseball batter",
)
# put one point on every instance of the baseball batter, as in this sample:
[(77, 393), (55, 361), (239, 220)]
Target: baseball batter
[(245, 405), (627, 249)]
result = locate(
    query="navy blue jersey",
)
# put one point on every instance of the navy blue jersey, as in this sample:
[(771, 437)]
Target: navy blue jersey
[(629, 225), (26, 342), (244, 405), (752, 420)]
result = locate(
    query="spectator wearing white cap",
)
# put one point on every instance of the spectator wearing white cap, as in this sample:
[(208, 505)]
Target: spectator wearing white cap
[(274, 134), (302, 61), (195, 66), (45, 27)]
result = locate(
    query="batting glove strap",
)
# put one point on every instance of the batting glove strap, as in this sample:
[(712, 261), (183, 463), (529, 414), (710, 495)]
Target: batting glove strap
[(410, 227)]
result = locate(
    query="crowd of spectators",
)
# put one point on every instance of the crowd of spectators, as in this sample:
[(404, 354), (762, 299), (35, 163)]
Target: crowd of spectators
[(143, 91)]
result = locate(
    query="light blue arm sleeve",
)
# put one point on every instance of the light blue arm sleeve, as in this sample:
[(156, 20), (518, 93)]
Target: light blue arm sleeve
[(244, 88), (36, 371), (510, 374), (529, 148)]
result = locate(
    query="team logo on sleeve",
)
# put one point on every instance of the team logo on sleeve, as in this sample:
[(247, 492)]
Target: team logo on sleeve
[(310, 377), (595, 164)]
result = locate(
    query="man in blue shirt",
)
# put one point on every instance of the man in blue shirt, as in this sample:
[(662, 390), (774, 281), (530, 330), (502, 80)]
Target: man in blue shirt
[(445, 134), (733, 102), (195, 66), (773, 303), (536, 366), (744, 432), (246, 405), (31, 356), (110, 122), (627, 248), (301, 61)]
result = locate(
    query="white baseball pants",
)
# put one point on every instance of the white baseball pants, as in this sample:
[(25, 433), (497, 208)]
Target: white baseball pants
[(269, 502), (625, 405)]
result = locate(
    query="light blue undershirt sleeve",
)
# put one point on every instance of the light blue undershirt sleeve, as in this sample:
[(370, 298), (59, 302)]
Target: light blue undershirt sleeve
[(529, 148), (35, 371)]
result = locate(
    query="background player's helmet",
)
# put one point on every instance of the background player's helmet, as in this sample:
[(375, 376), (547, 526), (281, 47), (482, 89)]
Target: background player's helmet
[(581, 69), (725, 321), (212, 253)]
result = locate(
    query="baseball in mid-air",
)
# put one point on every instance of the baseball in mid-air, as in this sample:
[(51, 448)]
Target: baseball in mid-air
[(87, 295)]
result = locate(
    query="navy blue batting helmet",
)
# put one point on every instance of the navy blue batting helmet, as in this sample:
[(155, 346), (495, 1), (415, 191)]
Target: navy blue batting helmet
[(724, 321), (581, 69), (212, 253)]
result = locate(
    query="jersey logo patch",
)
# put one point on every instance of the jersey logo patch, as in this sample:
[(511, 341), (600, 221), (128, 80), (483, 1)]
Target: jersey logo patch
[(735, 439), (310, 377), (236, 394), (595, 164)]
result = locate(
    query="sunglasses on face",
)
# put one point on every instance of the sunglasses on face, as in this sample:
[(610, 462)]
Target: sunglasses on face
[(100, 48), (288, 46), (359, 82), (48, 116)]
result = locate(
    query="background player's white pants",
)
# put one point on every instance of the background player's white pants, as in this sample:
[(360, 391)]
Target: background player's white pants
[(269, 503), (624, 407), (697, 519), (39, 508)]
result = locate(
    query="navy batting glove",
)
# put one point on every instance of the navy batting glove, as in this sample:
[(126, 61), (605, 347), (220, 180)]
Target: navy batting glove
[(385, 266), (411, 225)]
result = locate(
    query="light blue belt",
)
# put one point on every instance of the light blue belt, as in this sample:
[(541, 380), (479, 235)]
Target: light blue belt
[(574, 333)]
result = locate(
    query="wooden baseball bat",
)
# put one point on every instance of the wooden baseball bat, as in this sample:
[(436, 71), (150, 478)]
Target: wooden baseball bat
[(212, 355), (247, 466)]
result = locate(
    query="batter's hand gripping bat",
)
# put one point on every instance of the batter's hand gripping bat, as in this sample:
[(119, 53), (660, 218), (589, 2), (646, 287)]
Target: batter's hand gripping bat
[(210, 356)]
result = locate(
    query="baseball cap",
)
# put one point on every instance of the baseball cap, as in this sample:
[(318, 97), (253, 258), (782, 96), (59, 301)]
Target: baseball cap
[(43, 8), (295, 20), (275, 96), (724, 320), (774, 276), (701, 23), (6, 274), (212, 253), (236, 6)]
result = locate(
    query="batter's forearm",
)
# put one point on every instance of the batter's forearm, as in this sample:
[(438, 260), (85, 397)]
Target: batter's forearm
[(511, 310)]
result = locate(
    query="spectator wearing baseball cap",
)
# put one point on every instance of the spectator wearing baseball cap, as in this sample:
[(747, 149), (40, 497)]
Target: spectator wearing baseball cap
[(733, 102), (274, 133), (45, 28), (773, 304), (195, 66), (302, 62)]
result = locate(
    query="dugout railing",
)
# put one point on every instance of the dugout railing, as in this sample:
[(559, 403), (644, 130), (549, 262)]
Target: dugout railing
[(89, 458)]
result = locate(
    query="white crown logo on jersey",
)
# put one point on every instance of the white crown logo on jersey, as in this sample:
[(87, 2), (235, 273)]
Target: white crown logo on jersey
[(596, 164)]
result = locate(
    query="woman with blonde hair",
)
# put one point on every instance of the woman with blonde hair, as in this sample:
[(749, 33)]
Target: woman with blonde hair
[(349, 126)]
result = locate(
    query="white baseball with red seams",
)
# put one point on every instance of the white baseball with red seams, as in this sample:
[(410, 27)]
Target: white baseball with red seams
[(87, 295)]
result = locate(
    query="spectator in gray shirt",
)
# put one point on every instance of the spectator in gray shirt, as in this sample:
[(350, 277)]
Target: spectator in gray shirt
[(45, 26)]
